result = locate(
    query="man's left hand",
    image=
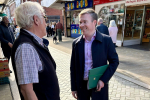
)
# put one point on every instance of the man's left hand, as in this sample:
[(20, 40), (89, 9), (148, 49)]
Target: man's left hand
[(100, 85)]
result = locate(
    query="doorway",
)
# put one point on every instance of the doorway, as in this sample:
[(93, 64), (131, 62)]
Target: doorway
[(146, 32), (133, 25)]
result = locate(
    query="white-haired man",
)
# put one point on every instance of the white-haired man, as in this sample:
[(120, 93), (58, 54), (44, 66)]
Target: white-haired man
[(32, 62), (101, 27)]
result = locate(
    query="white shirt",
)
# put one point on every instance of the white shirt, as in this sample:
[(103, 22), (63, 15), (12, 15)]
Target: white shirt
[(113, 33), (52, 26)]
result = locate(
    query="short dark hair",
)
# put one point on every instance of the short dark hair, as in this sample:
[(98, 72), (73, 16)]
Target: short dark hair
[(91, 12), (3, 18)]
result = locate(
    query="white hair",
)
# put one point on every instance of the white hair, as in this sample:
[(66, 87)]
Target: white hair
[(25, 12), (100, 20), (112, 24)]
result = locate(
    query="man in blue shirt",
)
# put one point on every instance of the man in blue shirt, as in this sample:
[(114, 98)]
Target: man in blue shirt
[(101, 27)]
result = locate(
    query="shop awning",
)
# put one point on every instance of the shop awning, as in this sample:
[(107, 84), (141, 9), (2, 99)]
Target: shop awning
[(136, 2), (56, 4), (3, 4)]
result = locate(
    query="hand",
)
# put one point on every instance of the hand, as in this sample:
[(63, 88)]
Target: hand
[(74, 93), (10, 45), (100, 85)]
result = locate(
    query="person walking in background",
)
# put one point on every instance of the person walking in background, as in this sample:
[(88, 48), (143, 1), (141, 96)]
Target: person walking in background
[(6, 37), (113, 30), (91, 50), (59, 29), (17, 31), (101, 27), (52, 27), (48, 30), (34, 67)]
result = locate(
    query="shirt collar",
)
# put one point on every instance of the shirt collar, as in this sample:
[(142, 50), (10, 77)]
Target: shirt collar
[(93, 37), (40, 40)]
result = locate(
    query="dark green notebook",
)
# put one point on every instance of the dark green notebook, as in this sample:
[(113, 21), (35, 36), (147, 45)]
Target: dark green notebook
[(94, 76)]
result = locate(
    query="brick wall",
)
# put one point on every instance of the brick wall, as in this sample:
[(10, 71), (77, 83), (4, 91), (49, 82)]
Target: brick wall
[(54, 12), (51, 11)]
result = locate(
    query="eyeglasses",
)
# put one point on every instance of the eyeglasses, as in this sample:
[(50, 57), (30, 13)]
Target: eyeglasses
[(45, 18)]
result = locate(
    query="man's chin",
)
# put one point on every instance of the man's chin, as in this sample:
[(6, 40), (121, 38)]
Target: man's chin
[(84, 33)]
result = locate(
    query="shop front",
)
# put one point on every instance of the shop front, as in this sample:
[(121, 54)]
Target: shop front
[(72, 16), (112, 10), (137, 22)]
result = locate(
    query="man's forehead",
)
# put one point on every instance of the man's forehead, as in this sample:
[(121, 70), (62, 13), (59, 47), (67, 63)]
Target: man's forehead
[(84, 17)]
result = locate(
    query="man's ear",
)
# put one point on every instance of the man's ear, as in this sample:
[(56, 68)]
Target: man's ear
[(95, 22), (36, 20)]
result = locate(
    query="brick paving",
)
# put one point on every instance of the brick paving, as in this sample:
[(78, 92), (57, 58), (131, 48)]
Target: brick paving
[(134, 60), (119, 88)]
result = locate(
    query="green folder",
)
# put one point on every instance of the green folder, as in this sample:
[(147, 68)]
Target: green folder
[(94, 76)]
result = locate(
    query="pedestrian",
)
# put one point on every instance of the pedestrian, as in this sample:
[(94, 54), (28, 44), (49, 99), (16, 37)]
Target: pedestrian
[(113, 30), (17, 31), (91, 50), (48, 30), (101, 27), (59, 29), (34, 67), (52, 28), (6, 37)]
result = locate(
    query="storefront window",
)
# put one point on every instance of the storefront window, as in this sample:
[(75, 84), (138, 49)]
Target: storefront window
[(114, 12), (133, 24), (75, 16), (75, 30)]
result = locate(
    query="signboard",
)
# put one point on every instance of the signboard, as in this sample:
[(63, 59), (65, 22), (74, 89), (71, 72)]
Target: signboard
[(135, 2), (75, 30), (97, 2), (80, 4)]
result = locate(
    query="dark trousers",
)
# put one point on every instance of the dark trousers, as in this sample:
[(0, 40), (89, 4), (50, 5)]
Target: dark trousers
[(7, 53), (59, 34), (84, 94)]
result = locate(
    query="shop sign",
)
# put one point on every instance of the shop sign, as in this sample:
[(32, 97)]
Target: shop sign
[(97, 2), (75, 29), (80, 4), (134, 2)]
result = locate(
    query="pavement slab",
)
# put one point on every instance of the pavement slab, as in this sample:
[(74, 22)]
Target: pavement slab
[(134, 62), (119, 88)]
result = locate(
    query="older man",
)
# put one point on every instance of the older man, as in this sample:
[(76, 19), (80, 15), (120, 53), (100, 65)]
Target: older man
[(101, 27), (32, 62), (91, 50), (6, 37)]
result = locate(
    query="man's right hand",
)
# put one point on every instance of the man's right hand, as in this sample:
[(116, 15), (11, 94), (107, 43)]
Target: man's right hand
[(74, 93), (10, 44)]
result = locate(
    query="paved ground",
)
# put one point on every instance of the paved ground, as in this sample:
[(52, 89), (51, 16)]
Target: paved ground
[(134, 62), (119, 88), (5, 92)]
